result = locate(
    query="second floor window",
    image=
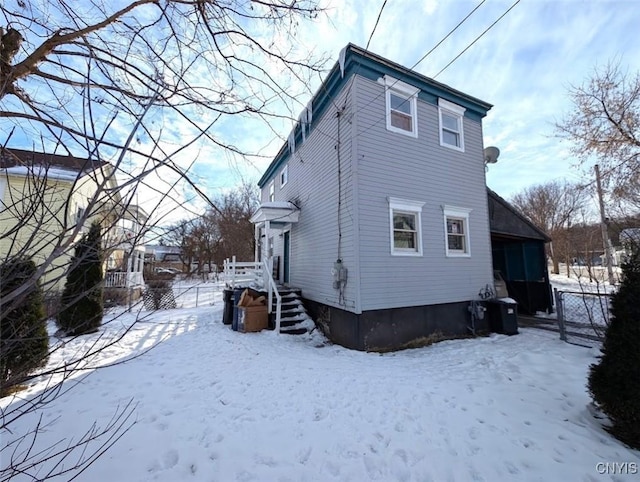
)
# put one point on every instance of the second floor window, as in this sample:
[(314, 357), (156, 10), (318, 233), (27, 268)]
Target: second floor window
[(451, 134), (401, 107), (272, 191), (284, 176)]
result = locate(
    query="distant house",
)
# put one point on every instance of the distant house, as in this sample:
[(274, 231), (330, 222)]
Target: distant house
[(47, 202), (164, 254)]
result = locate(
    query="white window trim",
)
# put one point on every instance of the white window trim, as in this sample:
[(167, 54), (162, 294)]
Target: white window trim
[(271, 194), (284, 174), (407, 91), (456, 111), (457, 213), (411, 207)]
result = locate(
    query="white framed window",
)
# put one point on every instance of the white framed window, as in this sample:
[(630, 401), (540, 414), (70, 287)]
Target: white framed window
[(456, 231), (284, 176), (405, 220), (272, 191), (401, 106), (451, 131)]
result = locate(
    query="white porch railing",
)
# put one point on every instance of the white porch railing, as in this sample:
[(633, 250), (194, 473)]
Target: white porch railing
[(242, 273), (258, 274), (123, 279)]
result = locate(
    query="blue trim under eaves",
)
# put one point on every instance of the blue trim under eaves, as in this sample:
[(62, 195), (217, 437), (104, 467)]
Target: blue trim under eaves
[(430, 90), (372, 66)]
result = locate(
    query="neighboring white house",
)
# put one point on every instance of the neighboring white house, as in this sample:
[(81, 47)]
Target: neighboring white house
[(376, 207), (125, 239), (47, 201)]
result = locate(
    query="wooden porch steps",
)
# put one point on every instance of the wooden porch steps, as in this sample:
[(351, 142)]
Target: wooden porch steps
[(294, 319)]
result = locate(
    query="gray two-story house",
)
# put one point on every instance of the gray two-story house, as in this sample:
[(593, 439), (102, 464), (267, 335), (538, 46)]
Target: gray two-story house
[(376, 207)]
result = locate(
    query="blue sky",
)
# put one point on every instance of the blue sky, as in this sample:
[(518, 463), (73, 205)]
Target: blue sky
[(523, 65)]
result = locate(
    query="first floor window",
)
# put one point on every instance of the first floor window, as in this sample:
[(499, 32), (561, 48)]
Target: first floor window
[(406, 227), (456, 222)]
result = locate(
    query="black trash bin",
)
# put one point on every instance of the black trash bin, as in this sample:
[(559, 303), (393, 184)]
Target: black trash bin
[(227, 314), (503, 316)]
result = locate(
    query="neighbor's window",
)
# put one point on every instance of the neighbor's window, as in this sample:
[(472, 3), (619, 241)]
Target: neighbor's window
[(401, 106), (284, 176), (456, 221), (406, 227), (451, 133), (272, 191), (79, 214)]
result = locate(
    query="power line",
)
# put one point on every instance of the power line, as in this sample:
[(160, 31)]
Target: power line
[(478, 38), (376, 25), (449, 34)]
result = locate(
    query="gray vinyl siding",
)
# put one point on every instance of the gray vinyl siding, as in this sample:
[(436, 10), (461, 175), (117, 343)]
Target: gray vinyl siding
[(417, 169), (313, 187)]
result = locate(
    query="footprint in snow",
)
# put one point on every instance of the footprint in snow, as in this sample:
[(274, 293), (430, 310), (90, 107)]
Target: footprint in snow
[(303, 455), (170, 459), (512, 469)]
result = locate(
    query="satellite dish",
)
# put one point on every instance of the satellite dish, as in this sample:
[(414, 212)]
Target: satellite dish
[(491, 154)]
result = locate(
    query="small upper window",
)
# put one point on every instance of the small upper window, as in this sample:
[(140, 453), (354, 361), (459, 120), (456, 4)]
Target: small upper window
[(451, 133), (456, 222), (284, 176), (406, 227), (401, 106), (272, 191)]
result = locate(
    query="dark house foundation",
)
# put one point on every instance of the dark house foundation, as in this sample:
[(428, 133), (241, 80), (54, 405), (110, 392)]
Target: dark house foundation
[(393, 328)]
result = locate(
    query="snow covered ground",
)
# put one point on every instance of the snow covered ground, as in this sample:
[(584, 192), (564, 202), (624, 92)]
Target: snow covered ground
[(216, 405)]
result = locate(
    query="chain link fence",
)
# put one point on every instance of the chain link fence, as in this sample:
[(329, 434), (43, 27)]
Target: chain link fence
[(177, 295), (582, 317)]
